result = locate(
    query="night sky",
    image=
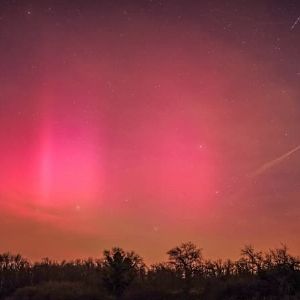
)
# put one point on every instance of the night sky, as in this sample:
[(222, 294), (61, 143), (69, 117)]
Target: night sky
[(144, 124)]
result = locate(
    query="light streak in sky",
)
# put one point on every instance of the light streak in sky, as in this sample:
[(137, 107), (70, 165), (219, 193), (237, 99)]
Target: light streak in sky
[(295, 23), (274, 162)]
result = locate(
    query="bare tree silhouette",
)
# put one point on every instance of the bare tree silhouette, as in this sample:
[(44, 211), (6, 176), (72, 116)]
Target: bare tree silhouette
[(186, 259)]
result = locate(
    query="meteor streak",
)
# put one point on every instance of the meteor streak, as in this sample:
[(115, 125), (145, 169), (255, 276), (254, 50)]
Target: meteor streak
[(295, 23), (274, 162)]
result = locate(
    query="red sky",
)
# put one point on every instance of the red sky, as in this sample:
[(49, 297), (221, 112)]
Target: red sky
[(144, 124)]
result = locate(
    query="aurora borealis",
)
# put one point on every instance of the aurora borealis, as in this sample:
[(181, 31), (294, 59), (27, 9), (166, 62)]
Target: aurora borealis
[(147, 123)]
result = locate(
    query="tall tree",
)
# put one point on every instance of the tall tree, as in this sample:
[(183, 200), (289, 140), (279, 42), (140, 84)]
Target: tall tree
[(253, 259), (120, 268), (186, 259)]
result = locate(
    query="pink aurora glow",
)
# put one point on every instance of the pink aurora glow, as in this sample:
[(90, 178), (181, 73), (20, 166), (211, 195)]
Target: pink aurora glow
[(136, 126)]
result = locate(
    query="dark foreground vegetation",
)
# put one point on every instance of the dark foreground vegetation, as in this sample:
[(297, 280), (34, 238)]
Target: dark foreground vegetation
[(123, 275)]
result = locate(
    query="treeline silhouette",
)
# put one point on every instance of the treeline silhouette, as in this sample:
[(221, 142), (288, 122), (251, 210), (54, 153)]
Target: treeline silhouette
[(123, 275)]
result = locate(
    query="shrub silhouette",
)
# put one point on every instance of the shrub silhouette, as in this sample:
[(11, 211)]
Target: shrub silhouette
[(14, 273), (56, 291)]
